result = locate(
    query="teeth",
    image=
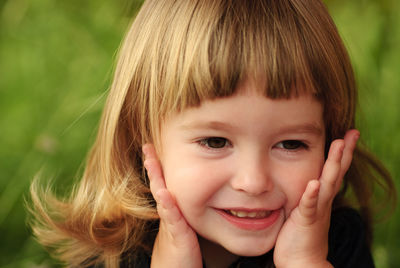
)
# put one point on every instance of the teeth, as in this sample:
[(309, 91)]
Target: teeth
[(253, 214)]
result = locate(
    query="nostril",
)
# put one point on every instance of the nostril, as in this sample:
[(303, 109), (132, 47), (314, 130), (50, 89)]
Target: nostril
[(252, 185), (253, 175)]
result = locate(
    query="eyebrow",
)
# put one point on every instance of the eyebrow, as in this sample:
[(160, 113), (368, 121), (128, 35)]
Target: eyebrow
[(311, 128), (215, 125)]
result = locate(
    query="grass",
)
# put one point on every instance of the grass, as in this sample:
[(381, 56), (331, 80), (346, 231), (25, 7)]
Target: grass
[(56, 60)]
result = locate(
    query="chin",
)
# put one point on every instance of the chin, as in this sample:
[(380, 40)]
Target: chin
[(251, 249)]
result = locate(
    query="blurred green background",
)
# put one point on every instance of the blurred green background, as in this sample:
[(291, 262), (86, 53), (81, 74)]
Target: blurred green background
[(56, 62)]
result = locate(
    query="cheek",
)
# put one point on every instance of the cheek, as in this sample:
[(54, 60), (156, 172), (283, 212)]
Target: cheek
[(293, 181), (193, 183)]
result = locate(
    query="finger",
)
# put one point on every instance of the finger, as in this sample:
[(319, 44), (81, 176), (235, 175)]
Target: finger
[(309, 203), (155, 174), (171, 216), (154, 170), (167, 206), (330, 177), (149, 151), (350, 141)]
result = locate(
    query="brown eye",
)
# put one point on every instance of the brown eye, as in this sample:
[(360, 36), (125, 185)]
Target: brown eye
[(215, 142), (291, 145)]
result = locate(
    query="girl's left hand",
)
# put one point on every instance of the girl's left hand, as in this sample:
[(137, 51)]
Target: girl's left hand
[(303, 239)]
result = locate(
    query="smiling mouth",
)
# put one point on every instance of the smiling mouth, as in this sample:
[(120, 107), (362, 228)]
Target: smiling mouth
[(252, 220), (249, 214)]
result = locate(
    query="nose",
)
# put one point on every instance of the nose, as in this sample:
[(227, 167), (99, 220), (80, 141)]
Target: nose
[(253, 175)]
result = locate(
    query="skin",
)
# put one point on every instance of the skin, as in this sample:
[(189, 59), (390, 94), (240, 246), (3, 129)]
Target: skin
[(192, 182)]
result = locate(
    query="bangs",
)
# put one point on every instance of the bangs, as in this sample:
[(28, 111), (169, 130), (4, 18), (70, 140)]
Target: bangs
[(241, 39)]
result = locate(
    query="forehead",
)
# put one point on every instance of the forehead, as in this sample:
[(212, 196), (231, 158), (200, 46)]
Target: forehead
[(250, 112)]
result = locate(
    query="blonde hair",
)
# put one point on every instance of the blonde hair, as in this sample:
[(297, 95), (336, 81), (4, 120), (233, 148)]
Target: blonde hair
[(175, 55)]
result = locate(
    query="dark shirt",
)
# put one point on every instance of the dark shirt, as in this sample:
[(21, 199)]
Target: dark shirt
[(347, 246)]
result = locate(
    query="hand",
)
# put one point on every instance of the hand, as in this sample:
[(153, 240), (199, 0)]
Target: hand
[(303, 239), (176, 244)]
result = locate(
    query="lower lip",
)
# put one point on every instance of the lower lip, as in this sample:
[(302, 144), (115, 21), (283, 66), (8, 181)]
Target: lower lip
[(251, 223)]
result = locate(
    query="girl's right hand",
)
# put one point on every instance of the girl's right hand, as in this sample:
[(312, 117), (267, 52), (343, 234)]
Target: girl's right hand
[(176, 244)]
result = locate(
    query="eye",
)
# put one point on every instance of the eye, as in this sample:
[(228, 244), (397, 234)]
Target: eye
[(292, 145), (214, 142)]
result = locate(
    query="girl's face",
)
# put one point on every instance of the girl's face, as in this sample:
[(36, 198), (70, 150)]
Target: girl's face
[(237, 166)]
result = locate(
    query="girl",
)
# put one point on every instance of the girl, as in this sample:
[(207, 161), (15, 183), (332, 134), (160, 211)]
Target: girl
[(242, 114)]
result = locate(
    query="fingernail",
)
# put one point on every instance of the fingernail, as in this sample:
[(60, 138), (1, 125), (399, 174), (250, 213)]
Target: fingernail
[(357, 136), (341, 147)]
